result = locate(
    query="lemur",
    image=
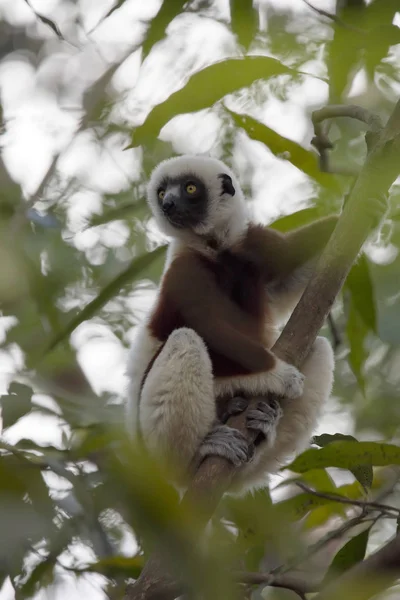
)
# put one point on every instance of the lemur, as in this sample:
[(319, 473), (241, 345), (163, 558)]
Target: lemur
[(204, 349)]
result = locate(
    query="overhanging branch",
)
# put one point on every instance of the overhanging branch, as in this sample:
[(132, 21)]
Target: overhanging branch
[(214, 474)]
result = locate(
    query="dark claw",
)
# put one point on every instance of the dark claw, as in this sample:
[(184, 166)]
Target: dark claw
[(229, 443), (234, 406), (264, 418)]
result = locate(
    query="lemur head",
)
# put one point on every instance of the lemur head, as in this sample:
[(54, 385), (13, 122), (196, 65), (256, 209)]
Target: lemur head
[(195, 197)]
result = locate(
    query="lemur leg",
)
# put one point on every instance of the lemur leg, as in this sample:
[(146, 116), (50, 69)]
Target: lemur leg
[(178, 417), (297, 422), (177, 406)]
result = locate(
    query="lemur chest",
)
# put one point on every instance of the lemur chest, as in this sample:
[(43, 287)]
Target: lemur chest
[(242, 282)]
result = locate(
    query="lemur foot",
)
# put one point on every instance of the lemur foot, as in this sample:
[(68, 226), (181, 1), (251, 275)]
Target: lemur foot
[(376, 207), (288, 381), (234, 406), (264, 418), (229, 443)]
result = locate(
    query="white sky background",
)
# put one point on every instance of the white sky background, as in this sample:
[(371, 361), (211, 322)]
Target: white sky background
[(38, 127)]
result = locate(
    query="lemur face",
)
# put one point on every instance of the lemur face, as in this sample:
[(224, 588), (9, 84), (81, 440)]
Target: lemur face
[(185, 201), (195, 194)]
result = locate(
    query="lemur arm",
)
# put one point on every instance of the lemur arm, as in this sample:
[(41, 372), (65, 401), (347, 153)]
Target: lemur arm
[(279, 255), (192, 288), (306, 243)]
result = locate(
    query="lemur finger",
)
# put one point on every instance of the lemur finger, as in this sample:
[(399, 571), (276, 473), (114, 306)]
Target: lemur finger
[(264, 418), (229, 443), (233, 407)]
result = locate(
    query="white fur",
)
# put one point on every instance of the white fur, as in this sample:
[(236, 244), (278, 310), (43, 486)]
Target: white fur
[(283, 380), (227, 217), (177, 405), (143, 348), (300, 417)]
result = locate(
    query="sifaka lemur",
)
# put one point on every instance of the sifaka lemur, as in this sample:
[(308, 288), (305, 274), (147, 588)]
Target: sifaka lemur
[(204, 349)]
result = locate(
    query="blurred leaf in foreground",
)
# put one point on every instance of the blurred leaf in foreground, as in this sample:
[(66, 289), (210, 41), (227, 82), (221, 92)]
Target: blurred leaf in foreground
[(350, 554), (206, 87), (136, 268), (15, 404)]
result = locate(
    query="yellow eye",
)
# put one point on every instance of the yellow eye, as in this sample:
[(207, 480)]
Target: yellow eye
[(161, 194), (191, 188)]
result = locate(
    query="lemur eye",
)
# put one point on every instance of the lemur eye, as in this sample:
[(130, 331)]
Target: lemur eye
[(161, 193), (191, 188)]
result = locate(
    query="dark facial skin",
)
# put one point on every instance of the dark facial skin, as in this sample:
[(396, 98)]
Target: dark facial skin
[(184, 200)]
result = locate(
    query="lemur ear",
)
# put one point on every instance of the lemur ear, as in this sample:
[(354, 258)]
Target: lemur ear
[(227, 185)]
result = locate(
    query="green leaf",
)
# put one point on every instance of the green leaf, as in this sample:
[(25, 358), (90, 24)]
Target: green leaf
[(125, 211), (250, 513), (118, 565), (318, 479), (244, 21), (350, 554), (297, 219), (282, 147), (322, 514), (254, 556), (347, 455), (206, 87), (168, 11), (363, 473), (128, 276), (357, 333), (16, 404), (359, 284), (327, 438), (298, 506)]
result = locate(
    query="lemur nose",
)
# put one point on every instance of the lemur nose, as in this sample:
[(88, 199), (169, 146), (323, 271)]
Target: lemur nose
[(168, 204)]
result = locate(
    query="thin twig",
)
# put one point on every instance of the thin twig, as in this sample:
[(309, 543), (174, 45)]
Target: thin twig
[(334, 534), (334, 18), (390, 511), (287, 581), (353, 111), (321, 140)]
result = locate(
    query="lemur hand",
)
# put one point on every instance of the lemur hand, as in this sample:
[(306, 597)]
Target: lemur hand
[(227, 442)]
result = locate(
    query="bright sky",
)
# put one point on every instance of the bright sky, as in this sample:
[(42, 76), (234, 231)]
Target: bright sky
[(38, 127)]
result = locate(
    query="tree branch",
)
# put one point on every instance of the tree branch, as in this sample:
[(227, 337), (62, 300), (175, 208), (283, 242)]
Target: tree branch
[(289, 582), (214, 474)]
